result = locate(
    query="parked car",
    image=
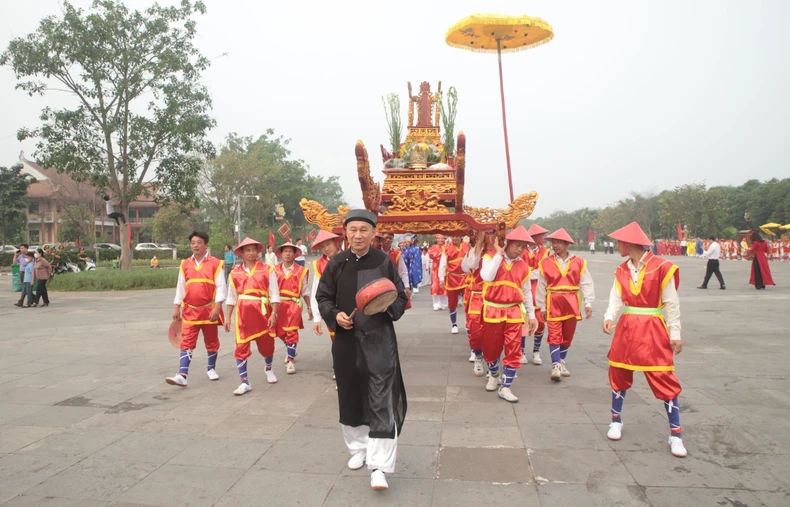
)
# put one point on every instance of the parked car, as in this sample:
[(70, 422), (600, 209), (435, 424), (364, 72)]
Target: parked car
[(146, 246), (107, 246), (167, 246), (9, 249)]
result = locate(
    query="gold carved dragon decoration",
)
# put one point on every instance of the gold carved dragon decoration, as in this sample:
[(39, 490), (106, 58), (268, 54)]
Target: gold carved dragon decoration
[(517, 210), (316, 214)]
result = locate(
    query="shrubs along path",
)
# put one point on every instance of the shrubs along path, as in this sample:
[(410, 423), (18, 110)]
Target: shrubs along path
[(115, 279)]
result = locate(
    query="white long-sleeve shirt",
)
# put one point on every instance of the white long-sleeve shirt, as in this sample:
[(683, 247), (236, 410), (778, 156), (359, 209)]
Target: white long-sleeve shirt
[(669, 296), (313, 292), (219, 282), (471, 261), (586, 285), (488, 273), (274, 290), (713, 252)]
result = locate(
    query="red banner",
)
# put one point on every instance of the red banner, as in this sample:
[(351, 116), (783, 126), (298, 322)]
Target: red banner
[(590, 236), (680, 232), (271, 239)]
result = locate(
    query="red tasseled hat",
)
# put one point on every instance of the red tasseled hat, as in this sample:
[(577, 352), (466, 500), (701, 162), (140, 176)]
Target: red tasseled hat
[(633, 234), (562, 235), (519, 234), (279, 250), (247, 241), (321, 237), (536, 230)]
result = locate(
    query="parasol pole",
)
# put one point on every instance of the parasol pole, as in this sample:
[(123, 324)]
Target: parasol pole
[(504, 119)]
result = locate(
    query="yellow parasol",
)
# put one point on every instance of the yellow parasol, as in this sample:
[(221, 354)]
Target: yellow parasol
[(497, 33)]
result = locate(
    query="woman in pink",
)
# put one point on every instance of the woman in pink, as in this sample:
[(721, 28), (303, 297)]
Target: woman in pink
[(43, 271), (761, 272)]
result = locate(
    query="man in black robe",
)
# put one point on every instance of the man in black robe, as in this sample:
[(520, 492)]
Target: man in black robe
[(370, 389)]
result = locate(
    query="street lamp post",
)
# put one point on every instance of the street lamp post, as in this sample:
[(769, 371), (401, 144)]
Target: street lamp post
[(238, 213)]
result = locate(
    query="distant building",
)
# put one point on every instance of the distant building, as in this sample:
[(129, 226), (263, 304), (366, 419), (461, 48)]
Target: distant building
[(53, 193)]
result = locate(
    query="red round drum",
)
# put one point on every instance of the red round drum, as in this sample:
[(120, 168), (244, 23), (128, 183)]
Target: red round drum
[(376, 296), (174, 334)]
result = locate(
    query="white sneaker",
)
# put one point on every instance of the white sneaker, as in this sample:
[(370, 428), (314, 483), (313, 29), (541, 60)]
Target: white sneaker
[(441, 308), (556, 373), (212, 374), (357, 461), (471, 356), (615, 431), (493, 381), (290, 369), (676, 446), (270, 378), (436, 308), (536, 358), (177, 380), (416, 290), (479, 368), (523, 359), (563, 370), (507, 395), (378, 481), (242, 389), (454, 330)]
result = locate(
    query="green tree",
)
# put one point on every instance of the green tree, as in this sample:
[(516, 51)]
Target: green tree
[(13, 203), (141, 114), (170, 225), (78, 221)]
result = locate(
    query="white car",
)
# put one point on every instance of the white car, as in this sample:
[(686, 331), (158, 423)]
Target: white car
[(107, 246), (146, 246), (9, 249)]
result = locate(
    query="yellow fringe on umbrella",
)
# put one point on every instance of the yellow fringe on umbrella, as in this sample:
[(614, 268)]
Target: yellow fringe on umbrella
[(481, 25)]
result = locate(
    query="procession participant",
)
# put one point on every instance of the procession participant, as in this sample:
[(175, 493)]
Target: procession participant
[(507, 298), (438, 294), (397, 258), (744, 249), (562, 277), (200, 291), (292, 285), (371, 395), (327, 244), (413, 260), (536, 253), (254, 294), (643, 339), (426, 266), (452, 277), (377, 240), (474, 306), (761, 271)]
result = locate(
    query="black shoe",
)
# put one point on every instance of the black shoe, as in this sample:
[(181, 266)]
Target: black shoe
[(702, 287), (723, 287), (18, 304)]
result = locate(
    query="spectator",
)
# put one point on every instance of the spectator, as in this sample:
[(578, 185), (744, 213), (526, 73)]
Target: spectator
[(83, 258), (154, 262), (21, 259), (592, 247), (111, 213), (43, 272), (713, 254), (270, 258), (230, 261), (27, 281), (300, 259)]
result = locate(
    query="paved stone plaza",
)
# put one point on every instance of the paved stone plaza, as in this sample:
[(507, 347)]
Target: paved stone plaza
[(87, 420)]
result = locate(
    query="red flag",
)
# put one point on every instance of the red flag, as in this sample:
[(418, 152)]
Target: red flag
[(590, 236), (129, 235), (680, 232), (271, 239)]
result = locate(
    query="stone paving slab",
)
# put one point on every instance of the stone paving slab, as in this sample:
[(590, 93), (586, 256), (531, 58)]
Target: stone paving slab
[(86, 419)]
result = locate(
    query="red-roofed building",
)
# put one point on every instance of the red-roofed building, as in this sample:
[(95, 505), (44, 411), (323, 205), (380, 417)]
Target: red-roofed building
[(52, 192)]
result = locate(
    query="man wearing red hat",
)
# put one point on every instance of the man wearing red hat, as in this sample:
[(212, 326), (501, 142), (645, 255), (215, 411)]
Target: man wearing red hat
[(200, 291), (535, 253), (327, 244), (253, 293), (644, 340), (474, 305), (452, 277), (507, 299), (562, 277), (438, 294), (292, 284)]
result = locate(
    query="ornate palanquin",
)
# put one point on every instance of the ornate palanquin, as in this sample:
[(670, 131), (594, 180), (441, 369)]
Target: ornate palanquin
[(421, 200)]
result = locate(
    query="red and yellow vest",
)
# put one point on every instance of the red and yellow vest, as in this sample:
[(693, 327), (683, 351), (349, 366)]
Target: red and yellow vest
[(318, 266), (201, 290), (641, 338), (562, 287), (503, 299), (289, 316), (253, 307), (475, 305), (455, 278)]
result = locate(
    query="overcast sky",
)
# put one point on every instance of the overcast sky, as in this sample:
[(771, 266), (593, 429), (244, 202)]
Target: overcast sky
[(629, 96)]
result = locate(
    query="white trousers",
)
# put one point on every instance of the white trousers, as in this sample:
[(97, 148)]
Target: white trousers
[(381, 452), (440, 301)]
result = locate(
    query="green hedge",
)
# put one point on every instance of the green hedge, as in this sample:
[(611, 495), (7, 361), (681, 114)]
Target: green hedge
[(6, 259), (114, 279)]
